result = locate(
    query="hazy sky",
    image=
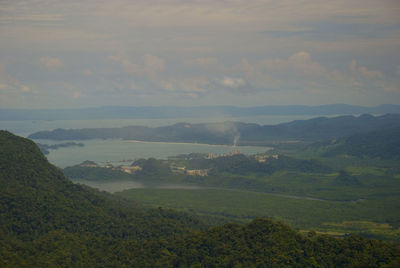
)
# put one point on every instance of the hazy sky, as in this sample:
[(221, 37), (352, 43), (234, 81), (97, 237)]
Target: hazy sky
[(198, 52)]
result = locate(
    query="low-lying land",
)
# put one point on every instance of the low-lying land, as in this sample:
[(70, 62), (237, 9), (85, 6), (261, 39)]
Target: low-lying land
[(327, 194), (327, 174), (370, 218)]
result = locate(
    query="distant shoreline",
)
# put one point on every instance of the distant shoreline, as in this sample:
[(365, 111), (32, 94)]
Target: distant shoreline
[(184, 143)]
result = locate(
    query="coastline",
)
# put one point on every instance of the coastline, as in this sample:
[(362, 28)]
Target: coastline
[(185, 143)]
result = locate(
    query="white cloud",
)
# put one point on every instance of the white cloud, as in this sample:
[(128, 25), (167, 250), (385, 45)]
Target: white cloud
[(363, 78), (232, 82), (302, 62), (200, 48), (301, 73), (128, 66), (188, 85), (8, 83), (271, 72), (51, 64), (296, 71)]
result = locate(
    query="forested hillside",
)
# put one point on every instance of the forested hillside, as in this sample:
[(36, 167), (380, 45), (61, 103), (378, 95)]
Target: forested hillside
[(41, 208), (47, 221), (263, 243), (383, 143)]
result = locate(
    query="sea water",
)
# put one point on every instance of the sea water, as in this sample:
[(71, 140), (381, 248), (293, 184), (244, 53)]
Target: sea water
[(122, 152), (118, 152)]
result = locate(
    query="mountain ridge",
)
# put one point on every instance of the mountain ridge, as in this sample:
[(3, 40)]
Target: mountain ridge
[(147, 112), (236, 133)]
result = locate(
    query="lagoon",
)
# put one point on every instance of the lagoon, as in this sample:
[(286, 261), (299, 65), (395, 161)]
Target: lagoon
[(123, 152), (118, 152)]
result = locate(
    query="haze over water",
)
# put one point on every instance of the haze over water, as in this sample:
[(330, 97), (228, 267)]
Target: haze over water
[(26, 127), (120, 152)]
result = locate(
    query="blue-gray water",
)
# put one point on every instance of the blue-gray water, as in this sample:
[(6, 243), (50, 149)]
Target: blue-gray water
[(119, 152), (116, 151)]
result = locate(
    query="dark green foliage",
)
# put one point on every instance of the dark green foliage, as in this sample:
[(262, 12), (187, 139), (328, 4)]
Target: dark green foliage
[(384, 143), (377, 218), (300, 165), (80, 172), (37, 200), (190, 156), (241, 164), (153, 170), (245, 172), (263, 243), (237, 171), (152, 167), (46, 221), (345, 179)]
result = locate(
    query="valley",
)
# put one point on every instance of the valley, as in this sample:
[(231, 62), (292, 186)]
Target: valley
[(342, 189), (297, 183)]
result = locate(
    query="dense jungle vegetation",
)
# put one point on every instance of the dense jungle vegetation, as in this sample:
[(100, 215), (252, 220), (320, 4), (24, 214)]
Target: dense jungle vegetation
[(47, 221)]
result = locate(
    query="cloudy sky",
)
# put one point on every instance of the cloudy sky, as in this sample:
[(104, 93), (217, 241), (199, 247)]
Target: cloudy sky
[(59, 54)]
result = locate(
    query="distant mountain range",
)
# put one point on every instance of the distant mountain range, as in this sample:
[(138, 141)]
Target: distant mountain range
[(120, 112), (316, 129)]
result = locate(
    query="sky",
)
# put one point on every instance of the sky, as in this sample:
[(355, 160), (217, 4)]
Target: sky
[(69, 54)]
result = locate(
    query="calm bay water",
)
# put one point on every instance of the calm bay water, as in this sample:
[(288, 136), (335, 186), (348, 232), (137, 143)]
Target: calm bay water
[(119, 152)]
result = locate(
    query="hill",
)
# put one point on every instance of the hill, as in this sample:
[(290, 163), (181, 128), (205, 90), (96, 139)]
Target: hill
[(44, 214), (46, 221), (320, 128), (382, 143)]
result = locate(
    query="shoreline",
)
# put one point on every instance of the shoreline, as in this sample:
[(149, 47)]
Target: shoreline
[(192, 143)]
